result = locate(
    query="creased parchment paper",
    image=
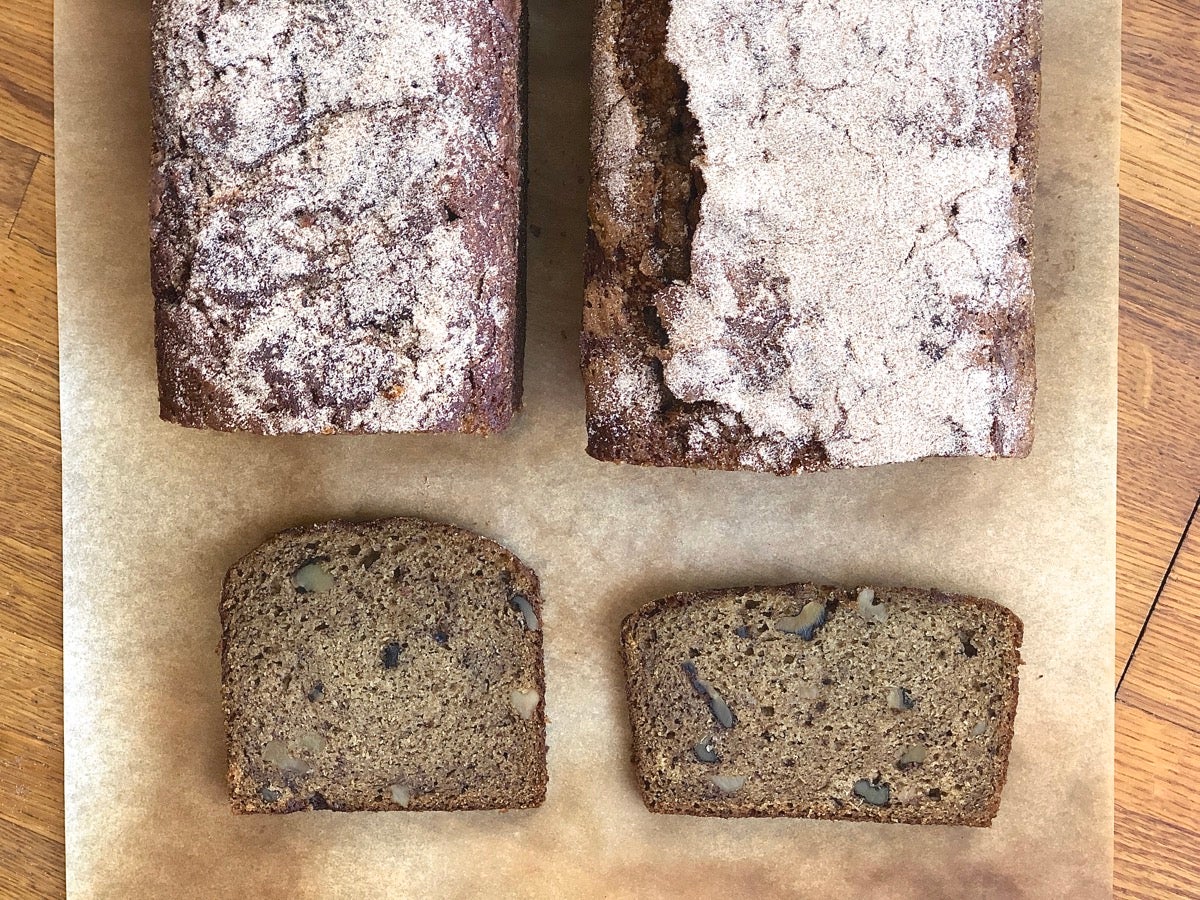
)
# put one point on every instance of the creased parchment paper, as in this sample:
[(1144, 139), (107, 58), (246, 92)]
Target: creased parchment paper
[(154, 514)]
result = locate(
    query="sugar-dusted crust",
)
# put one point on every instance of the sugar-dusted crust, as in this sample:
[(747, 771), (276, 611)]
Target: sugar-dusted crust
[(298, 664), (652, 676), (337, 214), (780, 279)]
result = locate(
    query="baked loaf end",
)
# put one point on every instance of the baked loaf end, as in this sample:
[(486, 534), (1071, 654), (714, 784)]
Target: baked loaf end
[(891, 705), (337, 214), (394, 664), (810, 232)]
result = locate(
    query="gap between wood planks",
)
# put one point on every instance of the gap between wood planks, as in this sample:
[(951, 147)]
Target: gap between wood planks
[(1158, 595)]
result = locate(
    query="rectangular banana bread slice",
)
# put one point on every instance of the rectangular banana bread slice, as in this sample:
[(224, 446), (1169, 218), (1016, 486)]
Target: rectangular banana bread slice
[(394, 664), (337, 215), (886, 705), (810, 232)]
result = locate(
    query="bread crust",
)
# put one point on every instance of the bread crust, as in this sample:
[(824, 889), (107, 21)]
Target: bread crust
[(645, 201), (349, 254), (636, 689)]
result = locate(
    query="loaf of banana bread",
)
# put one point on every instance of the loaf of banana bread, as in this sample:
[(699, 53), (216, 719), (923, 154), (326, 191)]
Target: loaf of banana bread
[(880, 705), (337, 214), (394, 664), (810, 232)]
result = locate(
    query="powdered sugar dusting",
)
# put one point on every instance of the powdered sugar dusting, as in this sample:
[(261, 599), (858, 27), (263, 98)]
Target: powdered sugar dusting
[(858, 220), (344, 175)]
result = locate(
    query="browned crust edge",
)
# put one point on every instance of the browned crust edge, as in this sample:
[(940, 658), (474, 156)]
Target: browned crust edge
[(633, 688), (1017, 344), (346, 526)]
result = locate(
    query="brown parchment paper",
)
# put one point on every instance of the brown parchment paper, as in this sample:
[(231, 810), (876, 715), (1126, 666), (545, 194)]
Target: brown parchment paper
[(154, 514)]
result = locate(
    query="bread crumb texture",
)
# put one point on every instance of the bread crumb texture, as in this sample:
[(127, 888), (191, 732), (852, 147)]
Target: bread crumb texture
[(803, 700), (394, 664), (335, 215), (855, 280)]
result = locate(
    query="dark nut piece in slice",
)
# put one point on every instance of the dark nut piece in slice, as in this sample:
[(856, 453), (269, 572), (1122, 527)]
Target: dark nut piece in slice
[(390, 655), (805, 625), (706, 751), (716, 703), (872, 793)]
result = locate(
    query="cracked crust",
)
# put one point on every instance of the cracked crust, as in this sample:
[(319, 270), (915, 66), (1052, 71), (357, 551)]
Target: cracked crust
[(337, 214), (723, 335), (810, 718)]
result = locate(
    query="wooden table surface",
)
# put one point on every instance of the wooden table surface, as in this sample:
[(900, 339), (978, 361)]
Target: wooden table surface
[(1158, 575)]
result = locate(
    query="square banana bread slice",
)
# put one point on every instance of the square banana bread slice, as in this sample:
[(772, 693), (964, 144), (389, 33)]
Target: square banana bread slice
[(394, 664), (886, 705)]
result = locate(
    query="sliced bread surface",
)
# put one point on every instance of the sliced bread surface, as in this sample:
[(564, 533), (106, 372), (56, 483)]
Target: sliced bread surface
[(394, 664), (887, 705)]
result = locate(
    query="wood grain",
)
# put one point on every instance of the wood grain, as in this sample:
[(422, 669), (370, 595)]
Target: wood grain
[(35, 226), (1164, 677), (1159, 392), (1157, 848), (1158, 715), (16, 169), (31, 728), (26, 79)]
